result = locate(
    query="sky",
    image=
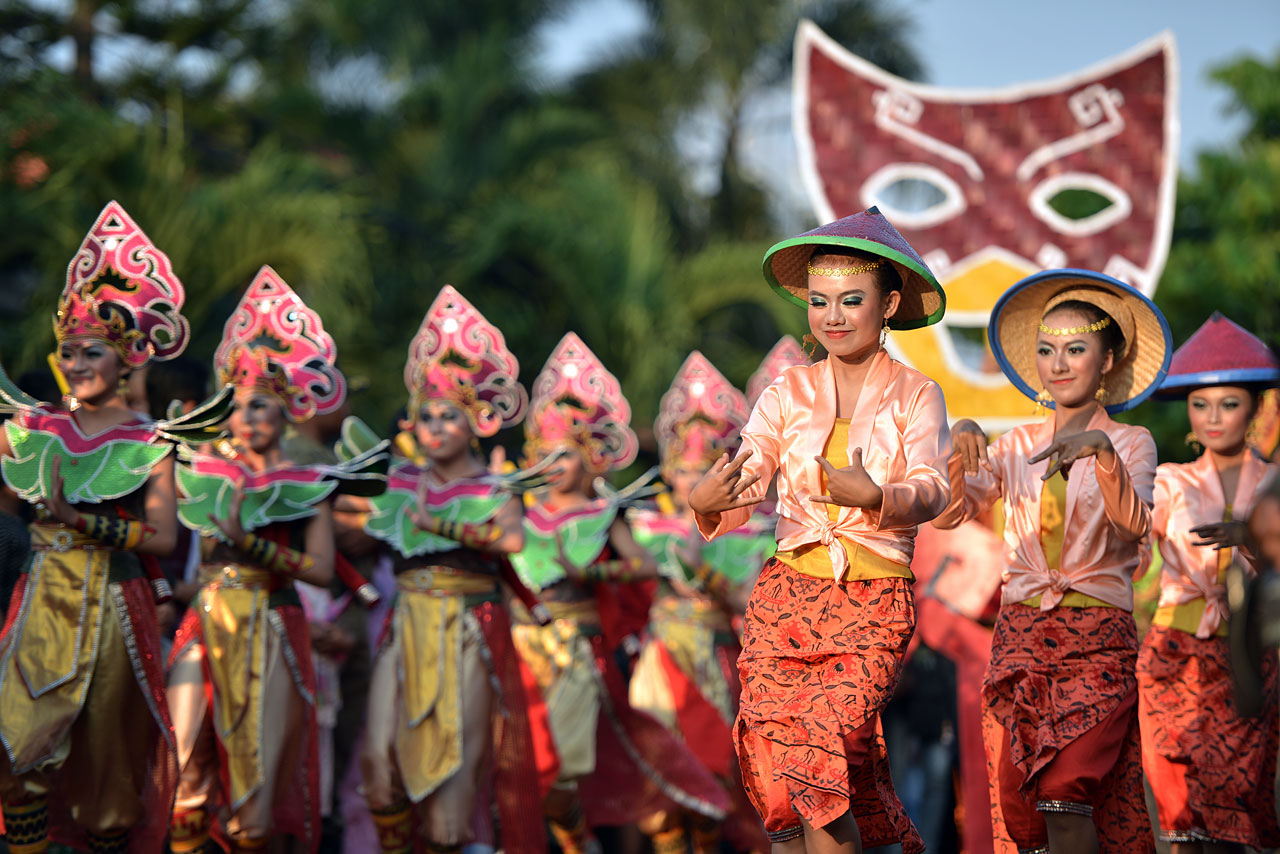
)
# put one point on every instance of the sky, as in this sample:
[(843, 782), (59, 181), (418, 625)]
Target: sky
[(980, 43)]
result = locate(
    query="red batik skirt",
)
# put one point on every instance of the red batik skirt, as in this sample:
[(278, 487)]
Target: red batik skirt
[(820, 660), (1060, 723), (1210, 768)]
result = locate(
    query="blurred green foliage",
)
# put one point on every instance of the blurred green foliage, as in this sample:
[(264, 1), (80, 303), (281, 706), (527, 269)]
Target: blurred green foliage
[(1225, 254), (373, 150)]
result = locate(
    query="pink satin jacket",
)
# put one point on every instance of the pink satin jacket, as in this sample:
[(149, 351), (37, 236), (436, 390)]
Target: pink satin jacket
[(1188, 495), (1108, 513), (900, 422)]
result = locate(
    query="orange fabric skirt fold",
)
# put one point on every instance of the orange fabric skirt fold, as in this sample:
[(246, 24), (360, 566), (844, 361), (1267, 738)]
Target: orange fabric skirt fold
[(1204, 760), (820, 660)]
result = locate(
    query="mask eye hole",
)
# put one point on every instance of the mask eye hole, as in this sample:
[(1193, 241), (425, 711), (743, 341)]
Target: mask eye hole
[(1079, 204), (915, 195)]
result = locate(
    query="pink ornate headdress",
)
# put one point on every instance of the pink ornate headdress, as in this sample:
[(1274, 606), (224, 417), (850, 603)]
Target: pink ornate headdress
[(121, 289), (276, 344), (699, 417), (785, 354), (461, 357), (576, 399)]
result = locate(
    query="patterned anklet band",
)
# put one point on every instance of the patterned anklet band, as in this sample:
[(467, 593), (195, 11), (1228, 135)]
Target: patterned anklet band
[(27, 827), (114, 842), (786, 834), (1065, 807)]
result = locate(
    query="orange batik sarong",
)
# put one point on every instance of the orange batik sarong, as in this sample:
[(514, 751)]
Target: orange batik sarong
[(821, 658), (1209, 767), (1060, 722)]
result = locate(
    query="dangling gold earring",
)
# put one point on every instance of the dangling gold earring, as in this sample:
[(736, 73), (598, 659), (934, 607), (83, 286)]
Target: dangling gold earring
[(884, 333), (1193, 443), (1101, 393), (1042, 401), (809, 344)]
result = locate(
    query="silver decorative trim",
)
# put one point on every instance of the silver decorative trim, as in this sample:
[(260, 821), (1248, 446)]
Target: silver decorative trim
[(1071, 807), (290, 655), (135, 660)]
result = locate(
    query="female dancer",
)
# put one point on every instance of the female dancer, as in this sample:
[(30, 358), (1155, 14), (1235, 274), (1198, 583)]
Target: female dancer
[(1060, 697), (687, 673), (241, 685), (859, 443), (82, 712), (445, 701), (1205, 760), (576, 549)]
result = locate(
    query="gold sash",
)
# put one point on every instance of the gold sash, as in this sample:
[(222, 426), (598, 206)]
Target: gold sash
[(429, 627), (234, 611), (49, 658), (687, 628)]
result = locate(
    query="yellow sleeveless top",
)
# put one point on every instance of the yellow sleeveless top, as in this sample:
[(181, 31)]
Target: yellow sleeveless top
[(1053, 526), (1186, 617), (813, 559)]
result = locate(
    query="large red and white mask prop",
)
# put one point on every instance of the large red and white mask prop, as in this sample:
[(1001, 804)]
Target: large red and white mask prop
[(976, 179)]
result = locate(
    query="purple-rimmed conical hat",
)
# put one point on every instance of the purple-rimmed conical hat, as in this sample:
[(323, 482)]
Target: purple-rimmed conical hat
[(786, 265), (1220, 352)]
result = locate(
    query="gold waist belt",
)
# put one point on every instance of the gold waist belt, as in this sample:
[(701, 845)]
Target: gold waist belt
[(584, 611), (60, 538), (1186, 617), (863, 563), (439, 581), (693, 611), (238, 576)]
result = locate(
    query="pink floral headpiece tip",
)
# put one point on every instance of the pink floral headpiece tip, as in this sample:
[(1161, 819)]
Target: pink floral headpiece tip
[(459, 356), (121, 289), (577, 400), (699, 417), (275, 344), (785, 354)]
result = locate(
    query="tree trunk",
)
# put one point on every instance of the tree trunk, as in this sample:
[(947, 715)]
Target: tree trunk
[(82, 34)]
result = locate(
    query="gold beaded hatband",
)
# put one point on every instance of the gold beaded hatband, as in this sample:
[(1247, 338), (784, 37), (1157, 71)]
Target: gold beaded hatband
[(843, 272), (1139, 365), (1096, 326)]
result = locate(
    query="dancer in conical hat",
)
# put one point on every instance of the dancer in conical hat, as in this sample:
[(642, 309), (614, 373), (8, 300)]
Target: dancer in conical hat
[(1060, 698), (859, 444), (241, 681), (82, 708), (446, 703), (1201, 756)]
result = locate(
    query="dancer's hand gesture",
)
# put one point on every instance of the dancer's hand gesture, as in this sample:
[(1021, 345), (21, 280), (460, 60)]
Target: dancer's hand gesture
[(1222, 535), (850, 486), (571, 570), (230, 527), (721, 488), (970, 440), (54, 502), (1065, 451)]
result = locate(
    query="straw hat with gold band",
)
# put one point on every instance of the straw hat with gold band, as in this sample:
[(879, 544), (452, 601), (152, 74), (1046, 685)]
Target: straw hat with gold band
[(1137, 371), (786, 265)]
